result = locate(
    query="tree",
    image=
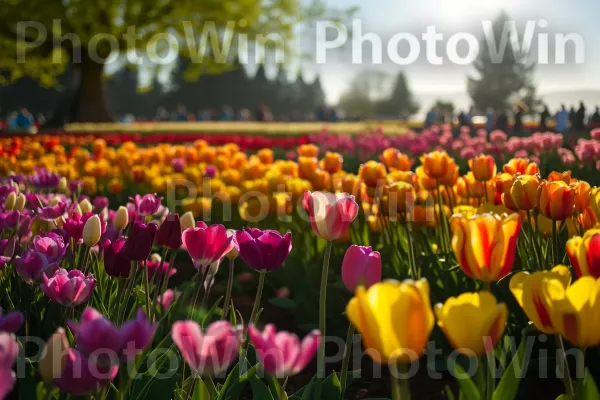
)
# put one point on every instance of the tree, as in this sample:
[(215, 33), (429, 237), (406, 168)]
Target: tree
[(400, 102), (364, 93), (46, 50), (502, 74)]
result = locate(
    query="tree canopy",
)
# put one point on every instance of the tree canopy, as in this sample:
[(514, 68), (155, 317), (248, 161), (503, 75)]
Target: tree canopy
[(500, 78), (85, 34)]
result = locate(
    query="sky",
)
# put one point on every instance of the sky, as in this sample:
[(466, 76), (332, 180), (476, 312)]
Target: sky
[(389, 17)]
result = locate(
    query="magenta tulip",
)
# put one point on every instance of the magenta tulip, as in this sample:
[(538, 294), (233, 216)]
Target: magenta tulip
[(281, 353), (207, 354), (147, 205), (9, 350), (140, 240), (263, 250), (11, 322), (32, 265), (206, 244), (168, 298), (8, 248), (68, 288), (50, 213), (136, 335), (116, 263), (361, 266), (100, 203), (330, 214), (169, 233)]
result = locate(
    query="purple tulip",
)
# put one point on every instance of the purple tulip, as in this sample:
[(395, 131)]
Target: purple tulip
[(9, 350), (24, 227), (73, 226), (116, 263), (68, 288), (210, 171), (44, 179), (33, 201), (32, 265), (210, 353), (100, 203), (50, 213), (263, 250), (361, 266), (139, 243), (81, 375), (11, 322), (147, 205), (96, 333), (5, 189), (178, 164), (75, 186), (153, 268), (281, 353), (169, 233), (8, 249), (50, 244), (206, 244), (9, 220)]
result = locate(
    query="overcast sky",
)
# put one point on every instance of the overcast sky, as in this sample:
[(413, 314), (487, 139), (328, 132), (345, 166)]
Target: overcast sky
[(389, 17)]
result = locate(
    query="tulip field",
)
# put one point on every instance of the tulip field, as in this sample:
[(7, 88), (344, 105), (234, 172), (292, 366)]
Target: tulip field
[(437, 265)]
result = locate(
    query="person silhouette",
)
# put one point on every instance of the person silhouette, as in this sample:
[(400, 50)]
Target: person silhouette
[(518, 125), (595, 118), (580, 117), (562, 119), (544, 115)]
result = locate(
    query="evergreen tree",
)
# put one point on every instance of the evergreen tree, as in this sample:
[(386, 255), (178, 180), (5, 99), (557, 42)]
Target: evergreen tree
[(499, 77), (400, 102)]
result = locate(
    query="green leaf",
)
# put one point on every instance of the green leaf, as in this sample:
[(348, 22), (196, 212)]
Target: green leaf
[(588, 389), (260, 391), (283, 302), (509, 384), (180, 394), (200, 391), (467, 386), (145, 386), (231, 378), (332, 389)]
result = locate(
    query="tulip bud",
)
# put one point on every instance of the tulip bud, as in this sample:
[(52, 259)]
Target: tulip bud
[(51, 366), (20, 202), (524, 192), (11, 200), (214, 268), (77, 209), (62, 186), (234, 252), (187, 221), (54, 201), (121, 218), (92, 231), (86, 206), (155, 258)]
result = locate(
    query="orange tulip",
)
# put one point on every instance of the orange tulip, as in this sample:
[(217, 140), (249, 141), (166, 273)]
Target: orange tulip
[(556, 200), (372, 173), (395, 160), (521, 166), (483, 167), (485, 244), (583, 191), (557, 176), (332, 162), (435, 164), (308, 150)]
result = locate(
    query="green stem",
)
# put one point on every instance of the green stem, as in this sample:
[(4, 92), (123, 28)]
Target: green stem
[(411, 251), (491, 381), (568, 382), (554, 244), (346, 359), (400, 385), (226, 305), (323, 319), (147, 285), (258, 298), (445, 235), (165, 282), (533, 241)]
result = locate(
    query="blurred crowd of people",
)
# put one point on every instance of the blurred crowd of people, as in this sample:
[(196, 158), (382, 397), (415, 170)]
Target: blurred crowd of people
[(564, 120), (21, 120)]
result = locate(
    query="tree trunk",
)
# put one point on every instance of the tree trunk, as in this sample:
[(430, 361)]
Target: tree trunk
[(90, 103)]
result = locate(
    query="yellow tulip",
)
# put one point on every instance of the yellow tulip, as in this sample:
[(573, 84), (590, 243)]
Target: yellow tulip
[(187, 220), (595, 201), (472, 322), (20, 202), (121, 218), (537, 294), (582, 195), (556, 200), (394, 318), (485, 244), (10, 201), (524, 192), (584, 253), (52, 364), (578, 312)]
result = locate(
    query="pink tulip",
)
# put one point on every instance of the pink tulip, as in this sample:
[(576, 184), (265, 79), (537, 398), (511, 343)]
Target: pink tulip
[(68, 288), (168, 298), (361, 266), (206, 244), (281, 353), (330, 214), (9, 350), (32, 265), (210, 353)]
